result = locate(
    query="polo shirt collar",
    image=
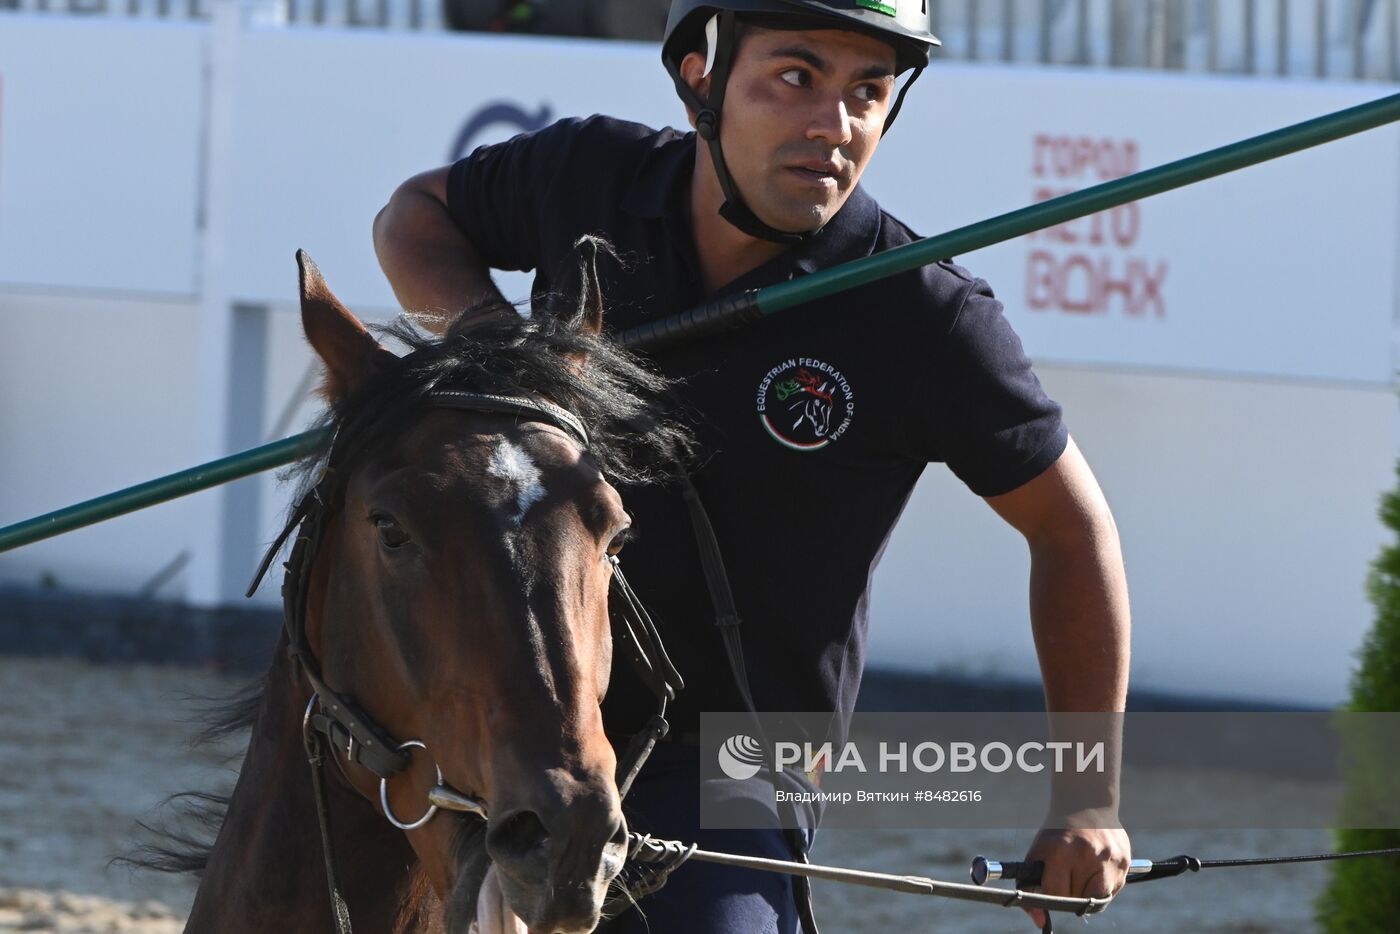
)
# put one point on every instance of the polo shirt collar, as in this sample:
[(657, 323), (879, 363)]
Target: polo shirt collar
[(849, 235), (662, 175)]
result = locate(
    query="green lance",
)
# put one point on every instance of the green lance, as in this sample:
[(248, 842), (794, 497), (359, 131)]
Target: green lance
[(736, 311)]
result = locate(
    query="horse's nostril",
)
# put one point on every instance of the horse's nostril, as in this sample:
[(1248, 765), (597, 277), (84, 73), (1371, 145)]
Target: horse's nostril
[(517, 836)]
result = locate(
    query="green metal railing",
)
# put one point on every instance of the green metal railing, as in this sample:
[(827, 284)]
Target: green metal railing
[(785, 295)]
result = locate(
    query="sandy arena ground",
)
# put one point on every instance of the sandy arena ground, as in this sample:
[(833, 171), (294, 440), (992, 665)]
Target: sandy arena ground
[(85, 751)]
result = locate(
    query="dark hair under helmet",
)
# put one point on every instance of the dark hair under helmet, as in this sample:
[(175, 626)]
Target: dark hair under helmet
[(904, 24)]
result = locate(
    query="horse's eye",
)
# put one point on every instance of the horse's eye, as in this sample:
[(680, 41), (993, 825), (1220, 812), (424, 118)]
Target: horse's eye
[(391, 534), (618, 540)]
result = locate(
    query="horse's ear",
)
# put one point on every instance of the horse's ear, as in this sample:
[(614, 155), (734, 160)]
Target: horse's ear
[(350, 353), (581, 285)]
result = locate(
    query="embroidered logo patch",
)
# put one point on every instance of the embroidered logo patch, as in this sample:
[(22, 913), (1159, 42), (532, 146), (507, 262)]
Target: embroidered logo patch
[(805, 404)]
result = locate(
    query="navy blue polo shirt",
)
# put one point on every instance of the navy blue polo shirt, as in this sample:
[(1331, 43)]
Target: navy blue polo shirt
[(815, 423)]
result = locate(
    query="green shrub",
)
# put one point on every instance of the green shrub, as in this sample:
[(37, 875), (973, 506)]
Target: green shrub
[(1364, 894)]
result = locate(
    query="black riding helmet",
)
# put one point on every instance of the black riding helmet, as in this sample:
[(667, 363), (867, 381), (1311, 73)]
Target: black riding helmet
[(902, 23)]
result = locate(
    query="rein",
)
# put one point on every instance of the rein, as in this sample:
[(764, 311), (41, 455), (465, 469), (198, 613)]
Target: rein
[(333, 721), (645, 849)]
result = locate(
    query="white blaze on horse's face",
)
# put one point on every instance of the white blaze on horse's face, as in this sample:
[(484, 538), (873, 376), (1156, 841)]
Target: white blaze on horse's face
[(511, 464)]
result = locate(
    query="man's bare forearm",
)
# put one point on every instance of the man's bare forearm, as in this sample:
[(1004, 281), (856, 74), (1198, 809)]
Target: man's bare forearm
[(433, 268), (1080, 617), (1079, 592)]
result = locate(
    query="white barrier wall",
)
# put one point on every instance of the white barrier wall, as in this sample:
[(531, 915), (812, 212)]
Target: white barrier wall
[(1247, 512), (101, 138), (100, 154), (96, 393), (1281, 270), (1224, 353)]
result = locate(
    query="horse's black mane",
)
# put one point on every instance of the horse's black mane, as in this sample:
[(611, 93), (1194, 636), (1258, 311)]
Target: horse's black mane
[(491, 349)]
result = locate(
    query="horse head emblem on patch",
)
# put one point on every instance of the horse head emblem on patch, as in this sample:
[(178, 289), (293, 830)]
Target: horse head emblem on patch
[(805, 404)]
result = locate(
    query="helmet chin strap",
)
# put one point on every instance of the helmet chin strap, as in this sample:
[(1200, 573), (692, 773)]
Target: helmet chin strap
[(719, 35), (719, 59)]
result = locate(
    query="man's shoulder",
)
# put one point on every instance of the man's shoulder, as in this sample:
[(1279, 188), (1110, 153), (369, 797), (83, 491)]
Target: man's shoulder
[(943, 280), (608, 136)]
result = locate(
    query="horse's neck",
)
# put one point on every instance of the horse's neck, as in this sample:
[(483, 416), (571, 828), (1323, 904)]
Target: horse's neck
[(266, 871)]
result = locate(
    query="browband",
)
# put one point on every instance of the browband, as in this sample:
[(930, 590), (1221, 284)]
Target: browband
[(534, 409)]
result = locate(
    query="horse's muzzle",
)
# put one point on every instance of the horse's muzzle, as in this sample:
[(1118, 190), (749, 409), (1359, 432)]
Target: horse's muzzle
[(555, 859)]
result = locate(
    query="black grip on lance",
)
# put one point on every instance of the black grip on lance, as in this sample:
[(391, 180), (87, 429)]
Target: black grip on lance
[(1023, 873), (1029, 874), (725, 314)]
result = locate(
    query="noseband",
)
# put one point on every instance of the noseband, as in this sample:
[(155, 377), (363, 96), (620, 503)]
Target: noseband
[(333, 721)]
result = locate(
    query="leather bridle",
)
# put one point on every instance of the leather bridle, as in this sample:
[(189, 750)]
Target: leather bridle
[(333, 721)]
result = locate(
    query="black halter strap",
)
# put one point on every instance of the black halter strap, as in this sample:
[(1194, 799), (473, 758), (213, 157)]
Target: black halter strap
[(333, 721)]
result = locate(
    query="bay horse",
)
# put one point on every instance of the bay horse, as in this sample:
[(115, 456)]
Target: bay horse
[(456, 610)]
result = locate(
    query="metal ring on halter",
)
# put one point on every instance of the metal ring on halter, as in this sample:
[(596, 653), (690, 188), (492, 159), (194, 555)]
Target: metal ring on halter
[(306, 718), (384, 793)]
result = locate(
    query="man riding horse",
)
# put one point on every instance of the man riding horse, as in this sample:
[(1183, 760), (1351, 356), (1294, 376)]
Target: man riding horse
[(790, 99)]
